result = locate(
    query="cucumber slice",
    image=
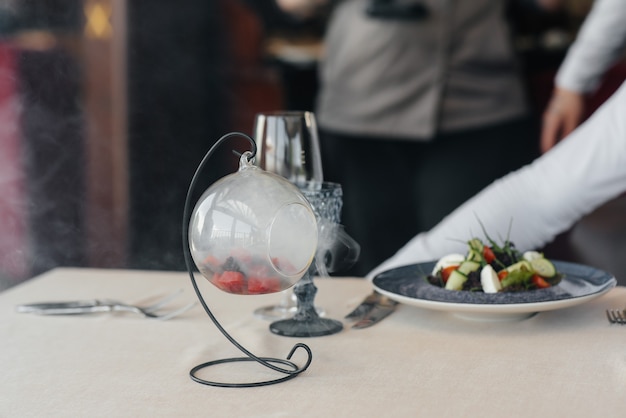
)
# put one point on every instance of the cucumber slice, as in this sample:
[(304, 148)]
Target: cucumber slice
[(474, 255), (476, 245), (468, 266), (519, 276), (456, 280), (543, 267), (520, 265)]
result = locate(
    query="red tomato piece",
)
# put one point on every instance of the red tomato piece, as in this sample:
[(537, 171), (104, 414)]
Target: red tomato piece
[(229, 281), (502, 274), (488, 254), (446, 271), (539, 281), (259, 285)]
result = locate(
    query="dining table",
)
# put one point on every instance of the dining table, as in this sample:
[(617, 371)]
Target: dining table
[(417, 362)]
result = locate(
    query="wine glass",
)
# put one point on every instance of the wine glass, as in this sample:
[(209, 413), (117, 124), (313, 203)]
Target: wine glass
[(287, 145), (335, 250)]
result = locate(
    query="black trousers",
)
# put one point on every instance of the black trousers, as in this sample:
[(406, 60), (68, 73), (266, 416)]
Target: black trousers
[(395, 189)]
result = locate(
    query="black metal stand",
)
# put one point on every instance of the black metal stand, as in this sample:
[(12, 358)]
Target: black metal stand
[(292, 369)]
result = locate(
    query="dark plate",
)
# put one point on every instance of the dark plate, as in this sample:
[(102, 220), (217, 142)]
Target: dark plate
[(579, 284)]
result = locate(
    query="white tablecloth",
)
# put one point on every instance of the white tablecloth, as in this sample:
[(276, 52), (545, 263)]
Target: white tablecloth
[(565, 363)]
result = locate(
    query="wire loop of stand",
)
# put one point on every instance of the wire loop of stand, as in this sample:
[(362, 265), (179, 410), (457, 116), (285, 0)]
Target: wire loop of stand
[(293, 373), (293, 370)]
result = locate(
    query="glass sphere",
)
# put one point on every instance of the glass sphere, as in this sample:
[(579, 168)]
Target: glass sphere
[(252, 232)]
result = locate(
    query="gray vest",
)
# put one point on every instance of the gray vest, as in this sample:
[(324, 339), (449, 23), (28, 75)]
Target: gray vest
[(455, 69)]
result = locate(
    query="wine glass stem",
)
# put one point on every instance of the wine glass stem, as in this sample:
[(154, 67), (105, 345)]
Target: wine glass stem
[(305, 291)]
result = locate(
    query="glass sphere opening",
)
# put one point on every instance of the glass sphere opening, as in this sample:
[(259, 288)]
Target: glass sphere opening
[(292, 238)]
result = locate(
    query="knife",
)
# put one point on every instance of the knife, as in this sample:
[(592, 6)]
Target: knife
[(66, 308), (364, 307), (382, 308)]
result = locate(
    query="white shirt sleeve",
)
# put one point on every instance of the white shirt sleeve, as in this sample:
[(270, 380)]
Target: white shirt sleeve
[(532, 205), (598, 44)]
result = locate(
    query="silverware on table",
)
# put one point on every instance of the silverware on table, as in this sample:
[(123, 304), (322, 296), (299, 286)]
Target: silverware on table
[(364, 307), (616, 316), (374, 308), (105, 305)]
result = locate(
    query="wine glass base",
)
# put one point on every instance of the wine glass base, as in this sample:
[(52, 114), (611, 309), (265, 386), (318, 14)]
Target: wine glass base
[(312, 327), (306, 321), (276, 312)]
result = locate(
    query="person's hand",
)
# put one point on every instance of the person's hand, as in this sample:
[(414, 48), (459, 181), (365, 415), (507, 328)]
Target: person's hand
[(562, 116), (302, 9)]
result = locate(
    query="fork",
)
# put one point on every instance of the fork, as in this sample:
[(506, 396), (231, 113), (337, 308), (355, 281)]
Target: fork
[(106, 305), (151, 310), (616, 316)]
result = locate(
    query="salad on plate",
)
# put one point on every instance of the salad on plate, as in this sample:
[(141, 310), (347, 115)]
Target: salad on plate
[(490, 268)]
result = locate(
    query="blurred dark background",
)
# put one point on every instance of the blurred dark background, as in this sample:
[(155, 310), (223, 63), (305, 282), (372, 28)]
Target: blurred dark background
[(108, 106)]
